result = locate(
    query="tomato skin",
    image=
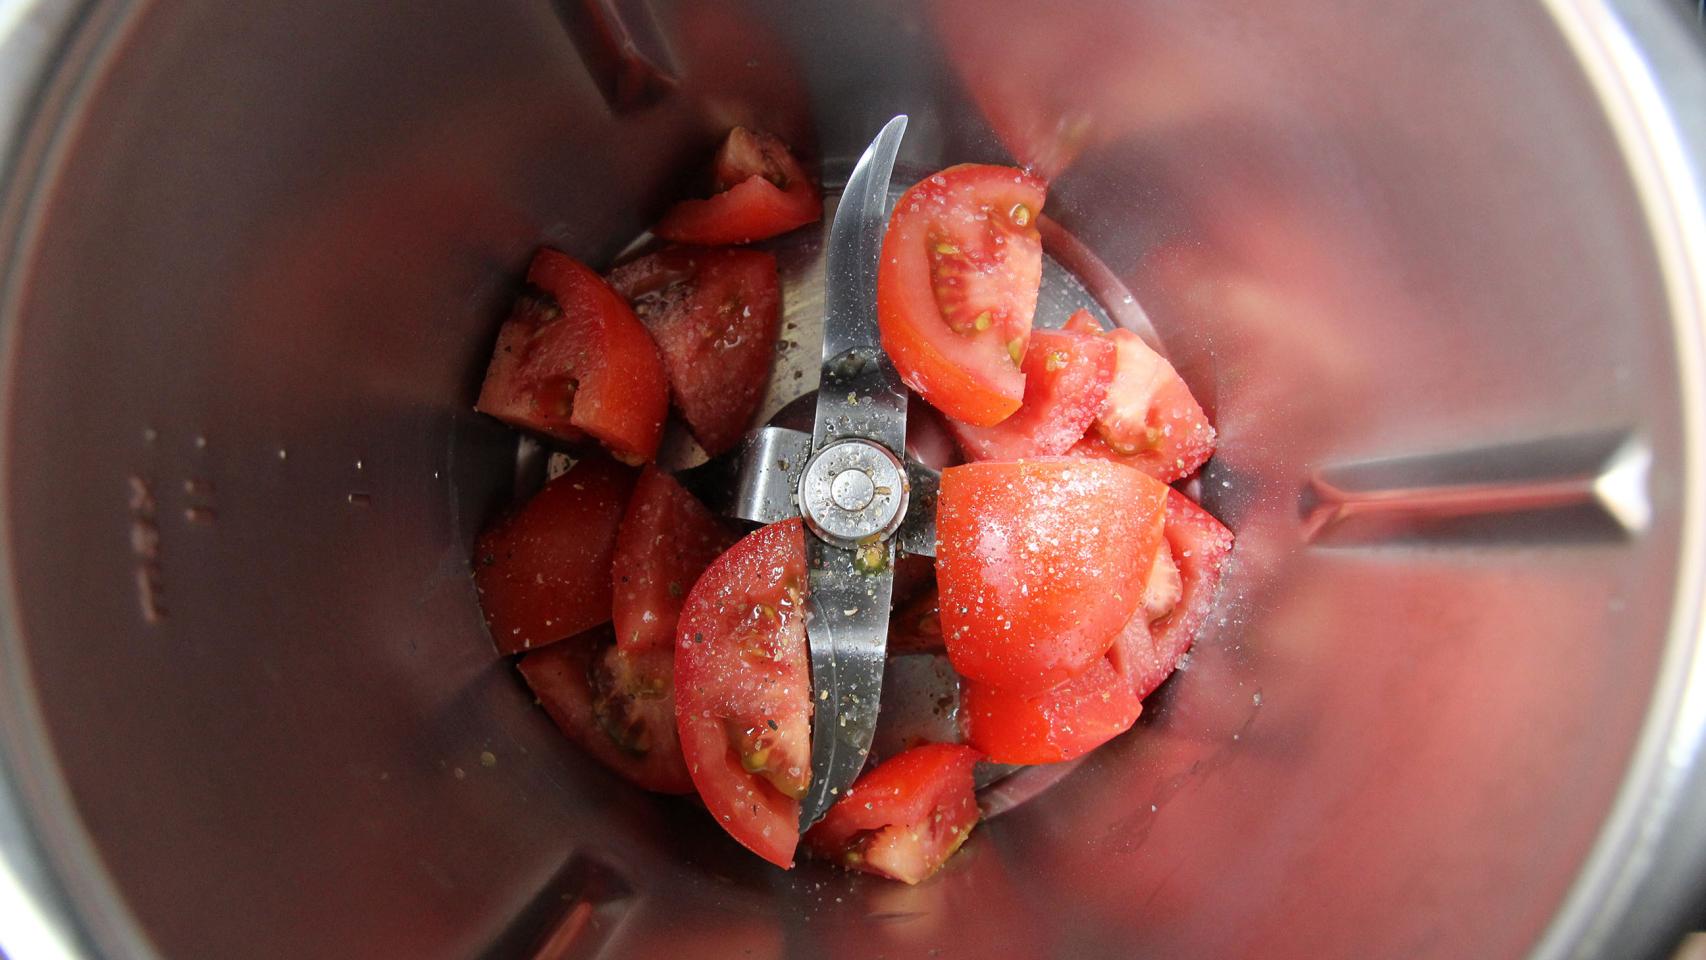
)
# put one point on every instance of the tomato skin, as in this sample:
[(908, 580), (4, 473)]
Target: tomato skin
[(590, 688), (666, 540), (743, 689), (957, 249), (1067, 373), (764, 193), (1199, 544), (1059, 724), (715, 314), (1105, 700), (905, 817), (543, 572), (580, 364), (1150, 420), (1040, 563)]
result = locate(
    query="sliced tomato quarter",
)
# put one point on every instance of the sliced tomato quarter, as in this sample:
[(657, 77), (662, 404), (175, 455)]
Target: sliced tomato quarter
[(666, 540), (957, 287), (543, 572), (764, 192), (619, 707), (715, 315), (574, 361), (905, 817), (1056, 725), (1150, 420), (1040, 564), (1067, 373), (743, 689)]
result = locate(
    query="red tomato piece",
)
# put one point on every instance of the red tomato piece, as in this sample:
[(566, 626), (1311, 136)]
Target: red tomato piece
[(1082, 321), (543, 572), (1066, 381), (1199, 545), (905, 817), (1041, 563), (743, 689), (1182, 588), (619, 706), (957, 286), (917, 626), (579, 363), (666, 540), (765, 192), (1151, 421), (1059, 724), (715, 315)]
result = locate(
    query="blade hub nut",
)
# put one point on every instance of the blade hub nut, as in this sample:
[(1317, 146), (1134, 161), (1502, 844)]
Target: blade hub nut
[(853, 491)]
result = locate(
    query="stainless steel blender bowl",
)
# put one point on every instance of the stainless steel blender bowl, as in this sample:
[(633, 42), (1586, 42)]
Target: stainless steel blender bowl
[(1435, 268)]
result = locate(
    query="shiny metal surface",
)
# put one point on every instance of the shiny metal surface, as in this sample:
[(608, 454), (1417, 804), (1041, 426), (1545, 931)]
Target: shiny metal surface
[(918, 530), (758, 482), (854, 492), (860, 429), (1390, 235)]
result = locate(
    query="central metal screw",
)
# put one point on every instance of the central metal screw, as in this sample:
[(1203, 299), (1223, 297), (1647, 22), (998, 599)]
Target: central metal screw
[(852, 489), (853, 492)]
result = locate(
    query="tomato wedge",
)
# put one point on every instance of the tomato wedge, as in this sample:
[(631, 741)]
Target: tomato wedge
[(1151, 421), (543, 572), (1067, 372), (1198, 544), (666, 540), (957, 285), (1040, 563), (1063, 723), (905, 817), (620, 707), (715, 315), (765, 192), (743, 689), (577, 362)]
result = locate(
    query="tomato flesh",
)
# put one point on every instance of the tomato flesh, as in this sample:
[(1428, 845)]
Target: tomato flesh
[(1198, 544), (619, 707), (1059, 724), (1150, 420), (576, 362), (715, 315), (957, 287), (905, 817), (743, 689), (764, 192), (543, 572), (666, 540), (1067, 373), (1040, 563)]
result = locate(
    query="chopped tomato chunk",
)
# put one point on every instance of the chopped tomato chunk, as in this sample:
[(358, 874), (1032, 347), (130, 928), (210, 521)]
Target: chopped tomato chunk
[(619, 706), (1067, 373), (1150, 421), (574, 361), (666, 540), (543, 572), (743, 689), (905, 817), (957, 286), (715, 315), (1040, 564), (764, 192)]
